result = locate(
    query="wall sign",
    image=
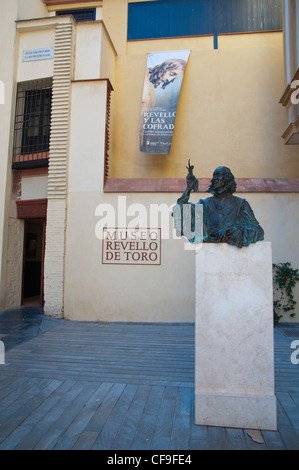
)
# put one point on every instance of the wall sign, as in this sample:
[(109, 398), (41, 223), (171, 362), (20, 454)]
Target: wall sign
[(162, 85), (140, 246), (38, 54)]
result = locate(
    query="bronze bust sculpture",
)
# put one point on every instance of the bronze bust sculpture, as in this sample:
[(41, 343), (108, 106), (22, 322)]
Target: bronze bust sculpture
[(226, 218)]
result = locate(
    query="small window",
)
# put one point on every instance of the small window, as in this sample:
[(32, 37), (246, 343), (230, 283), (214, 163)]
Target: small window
[(36, 124), (32, 119), (81, 15)]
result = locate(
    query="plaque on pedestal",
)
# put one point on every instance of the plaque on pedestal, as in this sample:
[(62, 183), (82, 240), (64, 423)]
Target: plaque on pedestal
[(234, 375)]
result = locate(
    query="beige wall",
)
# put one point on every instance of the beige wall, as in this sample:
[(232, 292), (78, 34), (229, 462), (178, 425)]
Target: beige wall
[(28, 40), (228, 113), (96, 291), (87, 136), (11, 230), (122, 293), (88, 45), (94, 52), (31, 9), (7, 35)]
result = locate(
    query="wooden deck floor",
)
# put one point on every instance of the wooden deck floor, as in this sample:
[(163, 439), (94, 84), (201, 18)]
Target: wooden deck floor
[(78, 385)]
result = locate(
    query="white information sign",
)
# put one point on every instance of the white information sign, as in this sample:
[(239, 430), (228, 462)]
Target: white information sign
[(38, 54)]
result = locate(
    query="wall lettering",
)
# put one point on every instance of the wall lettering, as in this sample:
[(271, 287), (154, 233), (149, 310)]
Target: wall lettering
[(131, 246)]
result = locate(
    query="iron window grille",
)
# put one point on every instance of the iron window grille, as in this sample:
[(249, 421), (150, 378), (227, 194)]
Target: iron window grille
[(32, 120), (80, 15)]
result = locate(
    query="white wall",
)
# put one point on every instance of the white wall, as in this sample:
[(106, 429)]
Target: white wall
[(7, 38), (10, 228)]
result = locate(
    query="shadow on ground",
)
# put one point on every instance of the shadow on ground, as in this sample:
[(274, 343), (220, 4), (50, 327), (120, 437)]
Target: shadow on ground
[(22, 324)]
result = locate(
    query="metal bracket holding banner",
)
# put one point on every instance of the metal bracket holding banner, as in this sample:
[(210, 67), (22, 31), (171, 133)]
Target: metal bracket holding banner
[(215, 23)]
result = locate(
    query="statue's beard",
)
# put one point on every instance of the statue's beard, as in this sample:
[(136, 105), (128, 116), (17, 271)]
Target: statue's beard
[(218, 191)]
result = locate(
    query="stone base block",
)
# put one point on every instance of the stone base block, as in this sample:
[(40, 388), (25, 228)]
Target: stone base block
[(236, 411), (234, 349)]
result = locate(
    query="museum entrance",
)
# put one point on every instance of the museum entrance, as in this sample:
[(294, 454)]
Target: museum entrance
[(33, 262)]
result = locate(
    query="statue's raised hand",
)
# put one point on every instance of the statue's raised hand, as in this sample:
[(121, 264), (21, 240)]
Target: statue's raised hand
[(192, 182)]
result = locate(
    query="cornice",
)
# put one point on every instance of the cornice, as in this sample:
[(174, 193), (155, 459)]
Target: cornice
[(285, 99)]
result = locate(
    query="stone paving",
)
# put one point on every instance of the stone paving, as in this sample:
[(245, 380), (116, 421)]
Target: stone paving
[(121, 386)]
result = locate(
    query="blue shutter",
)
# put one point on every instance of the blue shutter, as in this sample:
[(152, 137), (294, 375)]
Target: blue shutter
[(174, 18)]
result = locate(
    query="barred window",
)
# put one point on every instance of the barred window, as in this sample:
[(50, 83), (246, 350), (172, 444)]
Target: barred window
[(32, 120), (80, 15)]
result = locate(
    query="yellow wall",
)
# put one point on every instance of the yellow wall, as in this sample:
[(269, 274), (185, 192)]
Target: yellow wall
[(228, 111)]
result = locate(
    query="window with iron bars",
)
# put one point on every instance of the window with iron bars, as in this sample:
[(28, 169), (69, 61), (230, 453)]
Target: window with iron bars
[(32, 123), (80, 15)]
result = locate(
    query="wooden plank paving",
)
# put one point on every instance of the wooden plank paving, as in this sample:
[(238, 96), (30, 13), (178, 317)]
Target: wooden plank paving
[(91, 385), (115, 353)]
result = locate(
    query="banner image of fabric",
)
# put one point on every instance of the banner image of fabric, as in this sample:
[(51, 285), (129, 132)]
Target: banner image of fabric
[(162, 85)]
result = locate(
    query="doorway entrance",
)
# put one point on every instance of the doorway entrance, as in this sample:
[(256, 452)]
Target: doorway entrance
[(33, 262)]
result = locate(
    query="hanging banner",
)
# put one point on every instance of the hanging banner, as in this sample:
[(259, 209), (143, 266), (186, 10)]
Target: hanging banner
[(162, 84)]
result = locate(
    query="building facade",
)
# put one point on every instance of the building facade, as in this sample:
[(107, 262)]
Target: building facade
[(86, 226)]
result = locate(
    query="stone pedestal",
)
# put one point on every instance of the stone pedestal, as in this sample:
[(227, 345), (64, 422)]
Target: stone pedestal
[(234, 375)]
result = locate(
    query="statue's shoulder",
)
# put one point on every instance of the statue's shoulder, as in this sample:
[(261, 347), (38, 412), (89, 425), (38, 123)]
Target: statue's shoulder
[(242, 204), (206, 201), (237, 198)]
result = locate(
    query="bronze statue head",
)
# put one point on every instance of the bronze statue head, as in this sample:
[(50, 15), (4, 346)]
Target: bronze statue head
[(223, 181)]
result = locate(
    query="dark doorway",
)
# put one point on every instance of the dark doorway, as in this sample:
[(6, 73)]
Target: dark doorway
[(33, 264)]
